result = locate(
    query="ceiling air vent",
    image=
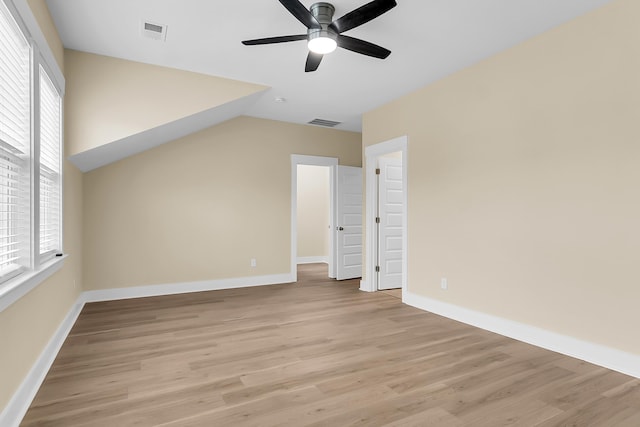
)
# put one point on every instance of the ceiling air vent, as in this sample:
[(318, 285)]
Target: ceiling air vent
[(323, 122), (154, 30)]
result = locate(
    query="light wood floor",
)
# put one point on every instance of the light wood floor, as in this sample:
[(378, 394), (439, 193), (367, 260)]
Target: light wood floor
[(394, 292), (314, 353)]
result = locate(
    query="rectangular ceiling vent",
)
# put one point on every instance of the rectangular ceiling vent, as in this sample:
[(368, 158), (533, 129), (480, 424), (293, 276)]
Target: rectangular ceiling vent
[(154, 30), (323, 122)]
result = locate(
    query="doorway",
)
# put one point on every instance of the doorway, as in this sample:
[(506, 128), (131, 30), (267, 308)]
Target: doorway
[(345, 218), (330, 163), (386, 216), (314, 214)]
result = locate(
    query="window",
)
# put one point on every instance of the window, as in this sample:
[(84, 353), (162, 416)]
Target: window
[(30, 161), (15, 143), (50, 143)]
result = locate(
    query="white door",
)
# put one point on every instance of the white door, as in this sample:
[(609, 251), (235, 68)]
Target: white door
[(349, 222), (390, 227)]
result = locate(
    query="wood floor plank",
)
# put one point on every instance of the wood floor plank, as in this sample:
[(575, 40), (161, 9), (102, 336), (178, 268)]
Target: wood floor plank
[(313, 353)]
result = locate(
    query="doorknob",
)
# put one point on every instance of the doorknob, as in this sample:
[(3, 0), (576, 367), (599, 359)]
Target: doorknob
[(339, 228)]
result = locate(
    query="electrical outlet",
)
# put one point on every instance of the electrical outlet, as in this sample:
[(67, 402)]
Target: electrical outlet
[(444, 284), (253, 262)]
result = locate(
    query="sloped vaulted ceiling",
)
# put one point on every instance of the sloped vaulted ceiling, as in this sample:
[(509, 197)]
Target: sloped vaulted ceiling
[(116, 108), (429, 39)]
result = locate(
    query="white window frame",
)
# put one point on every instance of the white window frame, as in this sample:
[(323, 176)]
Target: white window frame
[(40, 266)]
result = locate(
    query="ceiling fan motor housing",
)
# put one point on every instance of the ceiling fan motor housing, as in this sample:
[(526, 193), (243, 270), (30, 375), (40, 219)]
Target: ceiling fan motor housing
[(323, 12)]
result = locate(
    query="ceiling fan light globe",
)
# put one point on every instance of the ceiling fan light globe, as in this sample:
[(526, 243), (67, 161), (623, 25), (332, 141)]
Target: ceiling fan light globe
[(322, 45)]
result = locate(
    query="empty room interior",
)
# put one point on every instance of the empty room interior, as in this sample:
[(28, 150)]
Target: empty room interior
[(270, 213)]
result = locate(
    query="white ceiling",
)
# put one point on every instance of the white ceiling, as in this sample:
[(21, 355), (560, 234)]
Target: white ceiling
[(429, 39)]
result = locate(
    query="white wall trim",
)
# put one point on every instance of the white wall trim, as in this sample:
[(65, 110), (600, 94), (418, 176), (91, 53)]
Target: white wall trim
[(372, 152), (183, 288), (365, 286), (608, 357), (313, 259), (17, 407), (300, 159), (14, 289)]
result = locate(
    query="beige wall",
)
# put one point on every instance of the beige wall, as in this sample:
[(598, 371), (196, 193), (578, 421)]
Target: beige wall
[(28, 325), (109, 99), (201, 207), (43, 17), (523, 180), (313, 210)]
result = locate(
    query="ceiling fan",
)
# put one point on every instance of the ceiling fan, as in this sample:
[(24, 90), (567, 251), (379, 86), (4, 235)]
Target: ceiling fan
[(324, 34)]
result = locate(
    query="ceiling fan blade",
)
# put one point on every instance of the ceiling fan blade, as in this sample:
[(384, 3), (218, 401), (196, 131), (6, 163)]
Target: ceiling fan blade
[(301, 13), (279, 39), (363, 47), (313, 61), (362, 15)]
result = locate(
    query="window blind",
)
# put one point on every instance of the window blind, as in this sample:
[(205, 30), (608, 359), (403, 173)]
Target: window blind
[(15, 142), (50, 182)]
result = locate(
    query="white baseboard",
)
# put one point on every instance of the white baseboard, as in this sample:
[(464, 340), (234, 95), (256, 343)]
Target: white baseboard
[(366, 286), (607, 357), (312, 259), (17, 407), (611, 358), (183, 288)]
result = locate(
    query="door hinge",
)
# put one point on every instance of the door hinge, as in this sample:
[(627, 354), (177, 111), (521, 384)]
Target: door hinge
[(377, 220), (377, 269), (377, 171)]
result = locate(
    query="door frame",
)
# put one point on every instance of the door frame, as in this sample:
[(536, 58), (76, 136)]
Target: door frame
[(331, 162), (372, 152)]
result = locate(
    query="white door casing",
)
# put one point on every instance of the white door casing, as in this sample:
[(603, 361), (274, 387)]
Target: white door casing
[(348, 230), (390, 228)]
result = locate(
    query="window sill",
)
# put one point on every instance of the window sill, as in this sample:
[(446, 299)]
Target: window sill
[(16, 288)]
